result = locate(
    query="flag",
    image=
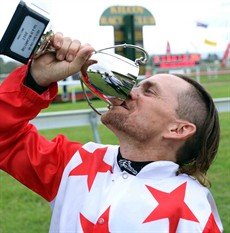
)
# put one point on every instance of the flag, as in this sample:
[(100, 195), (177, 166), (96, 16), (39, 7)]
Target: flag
[(208, 42), (225, 57), (168, 49), (199, 24)]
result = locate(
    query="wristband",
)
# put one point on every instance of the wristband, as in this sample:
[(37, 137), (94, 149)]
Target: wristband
[(31, 83)]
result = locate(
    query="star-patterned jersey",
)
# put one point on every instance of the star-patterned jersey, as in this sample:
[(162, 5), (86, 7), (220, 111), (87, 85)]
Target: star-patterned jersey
[(87, 190)]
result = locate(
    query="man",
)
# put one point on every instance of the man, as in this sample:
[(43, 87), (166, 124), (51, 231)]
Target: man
[(153, 182)]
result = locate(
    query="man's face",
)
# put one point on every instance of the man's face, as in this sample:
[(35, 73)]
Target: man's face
[(150, 109)]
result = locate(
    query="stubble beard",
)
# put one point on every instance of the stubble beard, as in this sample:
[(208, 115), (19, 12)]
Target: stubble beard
[(121, 123), (114, 120)]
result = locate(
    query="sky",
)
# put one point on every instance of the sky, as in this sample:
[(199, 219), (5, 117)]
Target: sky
[(175, 22)]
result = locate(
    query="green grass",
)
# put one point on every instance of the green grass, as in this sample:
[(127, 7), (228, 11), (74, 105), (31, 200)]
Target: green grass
[(82, 104), (219, 90), (220, 78), (218, 87), (23, 211), (219, 173)]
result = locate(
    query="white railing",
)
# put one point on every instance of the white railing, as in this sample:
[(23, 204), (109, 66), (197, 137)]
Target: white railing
[(222, 104), (66, 119)]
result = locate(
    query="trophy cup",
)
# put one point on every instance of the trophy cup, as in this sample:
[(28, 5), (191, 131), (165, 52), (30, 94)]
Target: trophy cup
[(111, 76), (108, 76)]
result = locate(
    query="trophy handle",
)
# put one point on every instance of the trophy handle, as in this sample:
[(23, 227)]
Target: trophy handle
[(138, 61)]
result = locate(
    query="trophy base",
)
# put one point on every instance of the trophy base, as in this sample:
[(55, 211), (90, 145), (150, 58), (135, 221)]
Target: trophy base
[(23, 33)]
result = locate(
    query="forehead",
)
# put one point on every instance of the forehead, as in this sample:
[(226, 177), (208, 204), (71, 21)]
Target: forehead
[(163, 81)]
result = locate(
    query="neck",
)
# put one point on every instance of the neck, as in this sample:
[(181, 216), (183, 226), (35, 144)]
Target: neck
[(146, 151)]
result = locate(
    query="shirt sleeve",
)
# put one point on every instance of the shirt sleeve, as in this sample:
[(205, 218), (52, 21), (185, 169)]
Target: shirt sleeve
[(30, 158)]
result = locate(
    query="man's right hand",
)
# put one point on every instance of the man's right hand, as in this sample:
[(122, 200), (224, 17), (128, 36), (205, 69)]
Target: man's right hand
[(69, 58)]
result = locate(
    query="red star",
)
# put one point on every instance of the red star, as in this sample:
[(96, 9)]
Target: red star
[(102, 224), (86, 225), (172, 206), (211, 226), (92, 163)]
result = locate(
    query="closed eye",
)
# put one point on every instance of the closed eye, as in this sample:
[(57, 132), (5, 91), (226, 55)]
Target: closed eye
[(150, 91), (149, 88)]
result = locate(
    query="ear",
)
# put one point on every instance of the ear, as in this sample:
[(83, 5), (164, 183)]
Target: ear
[(180, 130)]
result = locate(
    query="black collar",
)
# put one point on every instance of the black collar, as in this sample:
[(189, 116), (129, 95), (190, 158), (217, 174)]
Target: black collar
[(132, 167)]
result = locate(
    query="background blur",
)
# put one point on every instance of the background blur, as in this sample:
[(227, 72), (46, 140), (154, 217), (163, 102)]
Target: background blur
[(176, 23)]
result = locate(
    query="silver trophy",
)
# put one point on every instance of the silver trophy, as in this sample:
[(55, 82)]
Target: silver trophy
[(109, 76)]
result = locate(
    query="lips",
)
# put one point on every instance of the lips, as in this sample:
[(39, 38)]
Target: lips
[(124, 105), (118, 104)]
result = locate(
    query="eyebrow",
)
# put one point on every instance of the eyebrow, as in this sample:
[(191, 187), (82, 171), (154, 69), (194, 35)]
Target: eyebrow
[(148, 84)]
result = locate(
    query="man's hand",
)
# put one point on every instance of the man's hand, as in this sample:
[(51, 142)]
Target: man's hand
[(69, 58)]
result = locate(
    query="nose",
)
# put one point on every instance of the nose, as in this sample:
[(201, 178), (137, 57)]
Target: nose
[(134, 93)]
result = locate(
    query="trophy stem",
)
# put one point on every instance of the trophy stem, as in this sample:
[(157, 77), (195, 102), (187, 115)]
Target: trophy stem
[(45, 46)]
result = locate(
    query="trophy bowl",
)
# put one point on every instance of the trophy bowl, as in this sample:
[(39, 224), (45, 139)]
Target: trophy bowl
[(110, 76)]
